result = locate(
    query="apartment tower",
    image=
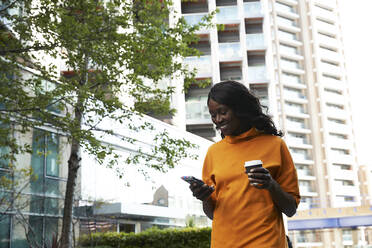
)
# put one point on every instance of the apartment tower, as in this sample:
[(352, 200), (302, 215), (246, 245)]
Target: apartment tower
[(290, 54)]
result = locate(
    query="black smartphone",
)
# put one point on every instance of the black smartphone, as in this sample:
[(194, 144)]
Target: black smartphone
[(191, 179)]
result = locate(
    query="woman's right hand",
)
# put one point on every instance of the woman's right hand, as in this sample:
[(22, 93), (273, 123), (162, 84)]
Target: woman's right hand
[(201, 192)]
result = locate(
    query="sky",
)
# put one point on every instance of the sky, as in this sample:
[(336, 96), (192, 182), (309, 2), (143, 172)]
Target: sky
[(356, 20)]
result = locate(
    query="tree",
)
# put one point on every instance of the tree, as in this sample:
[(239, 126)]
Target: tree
[(111, 49)]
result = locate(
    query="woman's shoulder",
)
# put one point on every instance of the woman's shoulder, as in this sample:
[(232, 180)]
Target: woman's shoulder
[(271, 138), (217, 145)]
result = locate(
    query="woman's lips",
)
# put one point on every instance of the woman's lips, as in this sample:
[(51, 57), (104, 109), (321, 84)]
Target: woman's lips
[(223, 127)]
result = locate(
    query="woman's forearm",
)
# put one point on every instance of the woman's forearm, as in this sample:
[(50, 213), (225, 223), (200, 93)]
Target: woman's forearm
[(282, 200), (208, 208)]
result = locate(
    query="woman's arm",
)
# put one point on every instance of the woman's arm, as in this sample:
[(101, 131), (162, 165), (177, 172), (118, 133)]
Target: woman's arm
[(203, 193), (208, 208), (261, 179)]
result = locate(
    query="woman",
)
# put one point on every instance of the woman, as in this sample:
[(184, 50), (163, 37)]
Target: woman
[(246, 209)]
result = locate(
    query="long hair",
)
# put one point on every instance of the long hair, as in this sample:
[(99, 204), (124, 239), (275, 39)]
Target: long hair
[(246, 107)]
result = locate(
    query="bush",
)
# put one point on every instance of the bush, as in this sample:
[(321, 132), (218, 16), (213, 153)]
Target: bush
[(152, 238)]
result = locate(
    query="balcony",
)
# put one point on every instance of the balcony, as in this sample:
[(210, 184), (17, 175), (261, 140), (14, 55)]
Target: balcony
[(339, 143), (325, 14), (340, 158), (287, 23), (294, 141), (301, 158), (346, 190), (294, 110), (304, 173), (342, 174), (293, 95), (252, 10), (202, 64), (296, 126), (230, 51), (329, 55), (339, 128), (257, 74), (326, 27), (332, 83), (193, 19), (334, 98), (227, 15), (255, 41), (329, 3), (328, 41), (336, 113), (307, 191)]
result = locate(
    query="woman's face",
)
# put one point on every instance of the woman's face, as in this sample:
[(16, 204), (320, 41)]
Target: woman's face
[(224, 118)]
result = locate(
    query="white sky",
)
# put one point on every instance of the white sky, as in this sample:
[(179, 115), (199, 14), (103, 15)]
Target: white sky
[(357, 31)]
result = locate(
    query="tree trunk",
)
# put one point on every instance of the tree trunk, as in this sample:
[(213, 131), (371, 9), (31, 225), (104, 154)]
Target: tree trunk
[(73, 168)]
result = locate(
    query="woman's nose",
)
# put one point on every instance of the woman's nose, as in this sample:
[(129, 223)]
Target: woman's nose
[(218, 119)]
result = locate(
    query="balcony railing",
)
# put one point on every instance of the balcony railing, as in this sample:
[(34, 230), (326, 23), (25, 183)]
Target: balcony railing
[(295, 125), (332, 97), (297, 141), (297, 156), (252, 9), (193, 19), (304, 173), (202, 64), (284, 8), (230, 50), (294, 110), (325, 13), (255, 41), (326, 40), (286, 22), (293, 94), (227, 14), (257, 74), (333, 69), (326, 27)]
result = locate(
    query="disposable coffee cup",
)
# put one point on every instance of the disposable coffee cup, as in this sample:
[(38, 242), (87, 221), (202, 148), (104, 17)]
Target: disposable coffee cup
[(252, 164)]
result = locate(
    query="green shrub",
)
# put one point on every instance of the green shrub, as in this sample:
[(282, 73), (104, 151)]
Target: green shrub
[(151, 238)]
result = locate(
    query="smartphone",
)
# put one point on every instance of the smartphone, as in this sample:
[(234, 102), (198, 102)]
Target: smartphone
[(191, 179)]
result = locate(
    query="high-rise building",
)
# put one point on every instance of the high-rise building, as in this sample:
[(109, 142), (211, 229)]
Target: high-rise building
[(290, 54)]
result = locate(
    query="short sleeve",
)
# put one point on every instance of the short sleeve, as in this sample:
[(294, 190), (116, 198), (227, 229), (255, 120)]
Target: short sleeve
[(207, 174), (287, 176)]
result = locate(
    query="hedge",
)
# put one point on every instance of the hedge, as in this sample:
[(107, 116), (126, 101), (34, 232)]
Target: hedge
[(151, 238)]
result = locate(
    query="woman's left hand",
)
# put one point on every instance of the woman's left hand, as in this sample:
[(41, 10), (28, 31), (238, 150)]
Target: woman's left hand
[(260, 178)]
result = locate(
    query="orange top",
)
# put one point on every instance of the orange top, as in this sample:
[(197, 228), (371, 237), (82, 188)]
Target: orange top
[(245, 216)]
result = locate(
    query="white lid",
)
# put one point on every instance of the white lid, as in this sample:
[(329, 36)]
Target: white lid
[(252, 162)]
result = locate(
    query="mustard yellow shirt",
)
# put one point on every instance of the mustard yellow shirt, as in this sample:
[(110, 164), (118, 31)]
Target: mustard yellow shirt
[(244, 216)]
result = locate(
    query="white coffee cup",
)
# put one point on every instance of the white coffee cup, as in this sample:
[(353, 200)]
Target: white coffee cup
[(252, 164)]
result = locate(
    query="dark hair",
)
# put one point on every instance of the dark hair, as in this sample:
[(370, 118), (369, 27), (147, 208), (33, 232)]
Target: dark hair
[(245, 106)]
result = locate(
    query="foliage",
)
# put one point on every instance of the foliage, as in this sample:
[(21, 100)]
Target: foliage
[(152, 238), (110, 50)]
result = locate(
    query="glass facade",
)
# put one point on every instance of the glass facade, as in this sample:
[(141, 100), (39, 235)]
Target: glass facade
[(41, 203)]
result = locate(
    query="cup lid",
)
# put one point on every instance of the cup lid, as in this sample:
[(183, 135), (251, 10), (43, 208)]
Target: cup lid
[(252, 162)]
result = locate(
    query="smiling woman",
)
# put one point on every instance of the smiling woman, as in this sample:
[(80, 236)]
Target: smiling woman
[(246, 206)]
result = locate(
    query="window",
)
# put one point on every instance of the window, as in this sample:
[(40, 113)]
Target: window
[(4, 230), (46, 188)]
